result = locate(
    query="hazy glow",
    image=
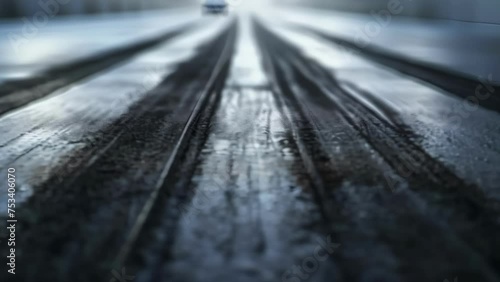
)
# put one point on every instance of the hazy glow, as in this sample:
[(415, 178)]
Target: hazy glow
[(250, 5), (37, 50)]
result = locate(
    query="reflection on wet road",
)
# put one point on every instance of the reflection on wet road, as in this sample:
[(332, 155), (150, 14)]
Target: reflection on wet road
[(247, 148), (247, 166)]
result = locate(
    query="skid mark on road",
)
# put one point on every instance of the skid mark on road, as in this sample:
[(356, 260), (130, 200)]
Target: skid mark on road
[(248, 213), (95, 195), (438, 199)]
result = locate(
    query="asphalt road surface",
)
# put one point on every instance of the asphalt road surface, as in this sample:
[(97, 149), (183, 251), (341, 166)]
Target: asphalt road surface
[(248, 148)]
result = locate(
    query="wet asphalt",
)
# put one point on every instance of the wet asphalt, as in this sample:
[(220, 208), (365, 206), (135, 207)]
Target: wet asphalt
[(242, 148)]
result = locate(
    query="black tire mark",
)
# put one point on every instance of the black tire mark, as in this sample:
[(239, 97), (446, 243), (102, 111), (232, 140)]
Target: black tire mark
[(17, 93), (467, 210), (82, 215), (453, 82)]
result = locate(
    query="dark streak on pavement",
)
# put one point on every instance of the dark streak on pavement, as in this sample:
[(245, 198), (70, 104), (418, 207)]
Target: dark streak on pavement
[(471, 218), (87, 208), (16, 93), (453, 82)]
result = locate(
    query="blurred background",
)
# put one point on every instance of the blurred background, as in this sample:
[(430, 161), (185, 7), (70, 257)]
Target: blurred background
[(464, 10), (20, 8), (438, 33)]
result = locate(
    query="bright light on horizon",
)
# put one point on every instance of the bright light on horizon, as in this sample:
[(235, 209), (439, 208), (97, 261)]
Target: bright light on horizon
[(249, 5)]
